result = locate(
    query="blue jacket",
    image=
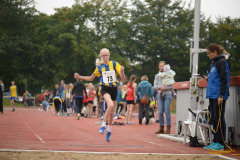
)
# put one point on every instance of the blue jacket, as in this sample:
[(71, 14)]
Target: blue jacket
[(219, 79), (143, 89), (119, 96)]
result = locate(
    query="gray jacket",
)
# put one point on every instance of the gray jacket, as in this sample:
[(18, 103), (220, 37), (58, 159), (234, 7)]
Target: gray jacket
[(158, 83)]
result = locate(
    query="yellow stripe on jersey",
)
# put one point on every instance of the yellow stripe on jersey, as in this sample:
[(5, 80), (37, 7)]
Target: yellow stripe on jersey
[(118, 68), (96, 72)]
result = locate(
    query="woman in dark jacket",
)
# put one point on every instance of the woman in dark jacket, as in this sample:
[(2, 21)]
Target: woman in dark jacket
[(217, 93), (77, 91)]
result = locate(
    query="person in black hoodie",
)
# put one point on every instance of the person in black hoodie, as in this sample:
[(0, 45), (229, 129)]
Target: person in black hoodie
[(77, 91), (217, 93)]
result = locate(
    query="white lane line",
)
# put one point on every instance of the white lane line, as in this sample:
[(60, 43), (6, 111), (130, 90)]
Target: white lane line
[(34, 133)]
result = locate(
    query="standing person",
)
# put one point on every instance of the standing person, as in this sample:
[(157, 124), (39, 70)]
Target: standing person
[(46, 99), (91, 96), (144, 88), (217, 93), (72, 103), (61, 88), (56, 91), (119, 101), (124, 92), (64, 107), (13, 92), (67, 98), (78, 93), (28, 95), (131, 98), (1, 95), (164, 99), (167, 79), (108, 72), (41, 98)]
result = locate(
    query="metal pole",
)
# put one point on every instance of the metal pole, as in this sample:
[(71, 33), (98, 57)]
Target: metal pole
[(196, 36), (194, 55)]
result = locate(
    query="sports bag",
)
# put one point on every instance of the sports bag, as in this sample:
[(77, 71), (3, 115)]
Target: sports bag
[(145, 99)]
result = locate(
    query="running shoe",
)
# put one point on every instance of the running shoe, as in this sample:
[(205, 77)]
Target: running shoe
[(126, 122), (101, 130), (78, 117), (13, 109), (217, 147), (211, 145), (108, 137), (130, 123)]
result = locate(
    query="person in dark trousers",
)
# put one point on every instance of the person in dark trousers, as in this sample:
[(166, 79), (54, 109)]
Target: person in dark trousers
[(77, 91), (217, 93), (1, 96), (144, 88)]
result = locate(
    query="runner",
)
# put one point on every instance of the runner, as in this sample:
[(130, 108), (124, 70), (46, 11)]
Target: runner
[(131, 98), (108, 72), (13, 92)]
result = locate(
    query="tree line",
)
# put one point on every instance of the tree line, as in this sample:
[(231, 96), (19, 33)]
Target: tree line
[(47, 48)]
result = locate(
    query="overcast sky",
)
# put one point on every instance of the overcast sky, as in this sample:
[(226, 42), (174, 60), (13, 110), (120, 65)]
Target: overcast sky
[(213, 8)]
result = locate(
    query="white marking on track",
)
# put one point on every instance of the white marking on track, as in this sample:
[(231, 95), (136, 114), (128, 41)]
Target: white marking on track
[(34, 133)]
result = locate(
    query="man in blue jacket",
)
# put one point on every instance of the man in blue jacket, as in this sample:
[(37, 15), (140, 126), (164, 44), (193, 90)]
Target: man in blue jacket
[(217, 93)]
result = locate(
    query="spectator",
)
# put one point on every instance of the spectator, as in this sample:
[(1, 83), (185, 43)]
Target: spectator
[(124, 92), (61, 88), (217, 93), (57, 102), (28, 100), (98, 103), (67, 98), (164, 100), (41, 98), (78, 92), (131, 98), (91, 97), (64, 108), (72, 103), (119, 101), (144, 88), (46, 99), (1, 95), (56, 91)]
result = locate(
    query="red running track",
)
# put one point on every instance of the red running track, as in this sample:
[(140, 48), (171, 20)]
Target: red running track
[(31, 129)]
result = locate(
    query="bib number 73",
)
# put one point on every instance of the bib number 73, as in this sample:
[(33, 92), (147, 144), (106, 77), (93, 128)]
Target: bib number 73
[(109, 76)]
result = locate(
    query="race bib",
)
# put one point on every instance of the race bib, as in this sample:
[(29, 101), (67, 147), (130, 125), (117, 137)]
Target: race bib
[(68, 95), (109, 76)]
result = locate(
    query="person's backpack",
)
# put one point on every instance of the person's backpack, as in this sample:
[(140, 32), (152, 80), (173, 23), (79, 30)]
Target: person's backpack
[(145, 99)]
